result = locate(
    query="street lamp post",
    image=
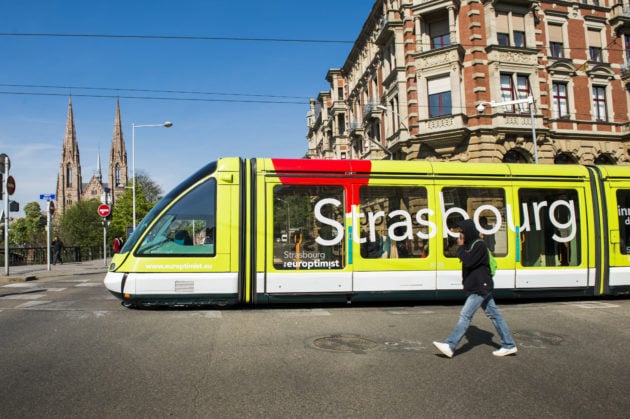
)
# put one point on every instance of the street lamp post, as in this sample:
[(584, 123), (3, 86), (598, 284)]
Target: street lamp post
[(166, 124), (529, 100)]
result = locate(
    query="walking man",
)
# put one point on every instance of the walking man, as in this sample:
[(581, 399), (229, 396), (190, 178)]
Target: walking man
[(478, 285), (58, 248)]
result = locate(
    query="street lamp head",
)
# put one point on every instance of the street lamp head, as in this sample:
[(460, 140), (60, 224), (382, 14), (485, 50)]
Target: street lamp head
[(168, 124), (382, 107), (481, 107)]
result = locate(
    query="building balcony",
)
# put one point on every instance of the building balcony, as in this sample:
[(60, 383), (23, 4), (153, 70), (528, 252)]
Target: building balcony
[(620, 18), (527, 57), (390, 23), (439, 57), (443, 134), (356, 127)]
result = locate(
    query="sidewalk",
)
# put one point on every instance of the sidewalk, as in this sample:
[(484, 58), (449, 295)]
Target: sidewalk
[(35, 272)]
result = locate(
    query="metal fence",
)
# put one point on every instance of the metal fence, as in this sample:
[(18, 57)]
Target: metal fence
[(19, 256)]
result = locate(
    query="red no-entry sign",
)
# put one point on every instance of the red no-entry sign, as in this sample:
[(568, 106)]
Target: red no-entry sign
[(10, 185), (103, 210)]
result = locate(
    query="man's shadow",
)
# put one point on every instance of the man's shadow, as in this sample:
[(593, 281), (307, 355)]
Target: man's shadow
[(477, 337)]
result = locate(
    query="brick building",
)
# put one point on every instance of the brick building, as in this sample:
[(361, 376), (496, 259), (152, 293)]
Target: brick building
[(424, 77)]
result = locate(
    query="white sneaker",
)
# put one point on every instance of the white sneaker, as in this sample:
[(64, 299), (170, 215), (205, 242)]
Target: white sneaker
[(505, 351), (444, 348)]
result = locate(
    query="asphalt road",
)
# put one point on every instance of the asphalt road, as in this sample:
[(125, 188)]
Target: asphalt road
[(69, 349)]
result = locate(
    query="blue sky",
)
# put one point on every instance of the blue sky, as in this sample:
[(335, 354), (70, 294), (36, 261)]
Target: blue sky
[(32, 119)]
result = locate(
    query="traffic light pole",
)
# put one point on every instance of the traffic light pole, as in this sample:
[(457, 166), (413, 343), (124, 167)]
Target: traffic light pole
[(105, 241), (5, 194), (48, 236)]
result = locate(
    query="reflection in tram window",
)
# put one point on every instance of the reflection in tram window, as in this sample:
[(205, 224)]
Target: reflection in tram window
[(393, 222), (308, 227), (486, 206), (623, 214), (182, 229), (549, 227)]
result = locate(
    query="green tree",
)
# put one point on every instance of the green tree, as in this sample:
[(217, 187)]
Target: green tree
[(29, 230), (80, 225), (122, 213), (151, 190)]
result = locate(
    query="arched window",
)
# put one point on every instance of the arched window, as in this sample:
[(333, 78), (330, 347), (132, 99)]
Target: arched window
[(68, 174), (515, 156), (604, 159), (117, 175), (564, 158)]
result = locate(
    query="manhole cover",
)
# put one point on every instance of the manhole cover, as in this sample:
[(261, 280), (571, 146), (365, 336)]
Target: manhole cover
[(344, 343), (537, 339)]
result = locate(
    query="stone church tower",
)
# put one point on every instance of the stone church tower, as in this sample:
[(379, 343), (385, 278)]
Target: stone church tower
[(117, 159), (69, 183), (70, 188)]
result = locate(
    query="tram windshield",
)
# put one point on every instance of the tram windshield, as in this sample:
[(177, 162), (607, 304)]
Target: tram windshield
[(164, 202)]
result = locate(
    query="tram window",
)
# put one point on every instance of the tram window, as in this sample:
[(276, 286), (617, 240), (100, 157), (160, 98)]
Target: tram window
[(389, 222), (187, 228), (308, 227), (623, 214), (549, 227), (486, 206)]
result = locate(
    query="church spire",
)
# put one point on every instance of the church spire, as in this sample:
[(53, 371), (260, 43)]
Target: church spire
[(99, 171), (117, 158), (69, 179)]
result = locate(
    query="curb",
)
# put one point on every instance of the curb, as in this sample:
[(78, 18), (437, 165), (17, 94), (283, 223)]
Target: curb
[(18, 278)]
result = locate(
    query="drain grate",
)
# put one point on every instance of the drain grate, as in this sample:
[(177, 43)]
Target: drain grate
[(344, 343)]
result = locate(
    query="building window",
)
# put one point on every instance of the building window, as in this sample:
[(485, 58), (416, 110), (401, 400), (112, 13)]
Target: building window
[(341, 124), (503, 39), (556, 44), (595, 45), (510, 30), (439, 33), (560, 100), (514, 87), (439, 97), (599, 103), (339, 93), (519, 39), (626, 39)]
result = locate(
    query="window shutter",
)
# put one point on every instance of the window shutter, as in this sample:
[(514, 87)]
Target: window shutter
[(594, 38), (502, 23), (439, 85), (555, 33), (518, 23)]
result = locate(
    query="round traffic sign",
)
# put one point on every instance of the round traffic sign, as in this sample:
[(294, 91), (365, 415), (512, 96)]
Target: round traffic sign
[(51, 207), (103, 210), (10, 185)]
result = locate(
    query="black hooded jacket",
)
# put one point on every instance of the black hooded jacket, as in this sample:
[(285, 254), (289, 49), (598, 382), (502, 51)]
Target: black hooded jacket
[(476, 276)]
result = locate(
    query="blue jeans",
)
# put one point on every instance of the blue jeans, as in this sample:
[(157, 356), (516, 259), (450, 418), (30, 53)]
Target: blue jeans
[(472, 304)]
